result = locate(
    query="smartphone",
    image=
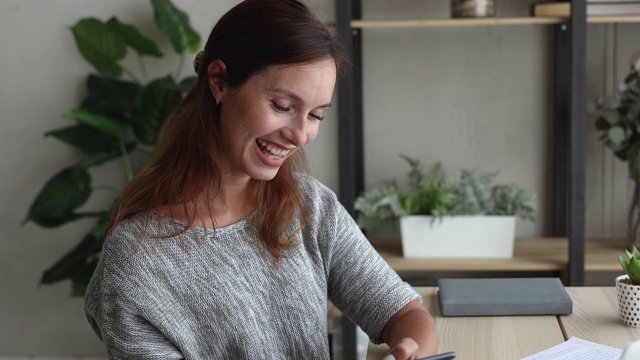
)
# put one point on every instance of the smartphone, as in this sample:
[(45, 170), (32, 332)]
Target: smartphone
[(444, 356)]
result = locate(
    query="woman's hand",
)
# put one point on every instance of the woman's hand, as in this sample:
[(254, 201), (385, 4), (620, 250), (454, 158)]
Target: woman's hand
[(410, 333), (405, 349)]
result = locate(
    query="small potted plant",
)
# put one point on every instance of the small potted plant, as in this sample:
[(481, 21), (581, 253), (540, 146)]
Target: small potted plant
[(628, 287), (439, 216)]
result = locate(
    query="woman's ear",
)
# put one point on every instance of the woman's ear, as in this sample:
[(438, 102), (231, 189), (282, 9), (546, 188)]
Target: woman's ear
[(216, 74)]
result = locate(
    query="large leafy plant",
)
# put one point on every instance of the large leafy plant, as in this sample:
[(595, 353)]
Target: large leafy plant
[(121, 113), (618, 120), (433, 194)]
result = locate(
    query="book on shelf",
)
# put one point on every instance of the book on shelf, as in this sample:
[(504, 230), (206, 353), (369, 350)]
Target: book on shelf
[(563, 9)]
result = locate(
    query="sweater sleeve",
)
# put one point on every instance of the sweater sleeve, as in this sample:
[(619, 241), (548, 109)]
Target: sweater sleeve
[(360, 283), (118, 319)]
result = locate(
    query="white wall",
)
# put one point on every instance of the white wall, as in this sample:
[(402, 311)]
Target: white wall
[(477, 97)]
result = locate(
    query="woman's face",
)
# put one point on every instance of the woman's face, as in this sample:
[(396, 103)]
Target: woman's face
[(264, 121)]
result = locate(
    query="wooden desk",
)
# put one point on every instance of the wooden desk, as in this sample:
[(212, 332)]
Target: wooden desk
[(530, 255), (594, 318)]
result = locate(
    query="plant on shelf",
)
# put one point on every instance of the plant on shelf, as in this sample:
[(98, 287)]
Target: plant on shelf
[(627, 286), (432, 194), (618, 120), (121, 113)]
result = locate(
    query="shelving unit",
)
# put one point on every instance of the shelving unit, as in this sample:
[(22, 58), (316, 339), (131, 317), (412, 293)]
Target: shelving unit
[(569, 111)]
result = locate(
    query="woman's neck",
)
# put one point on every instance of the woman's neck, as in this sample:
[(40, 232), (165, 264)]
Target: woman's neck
[(228, 205)]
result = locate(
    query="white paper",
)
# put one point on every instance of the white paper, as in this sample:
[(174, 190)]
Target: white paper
[(577, 349)]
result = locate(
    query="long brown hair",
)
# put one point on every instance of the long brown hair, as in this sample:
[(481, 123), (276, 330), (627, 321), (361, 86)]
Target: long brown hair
[(184, 171)]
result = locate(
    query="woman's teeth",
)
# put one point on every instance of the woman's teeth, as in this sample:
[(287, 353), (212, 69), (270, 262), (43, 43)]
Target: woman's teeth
[(271, 151)]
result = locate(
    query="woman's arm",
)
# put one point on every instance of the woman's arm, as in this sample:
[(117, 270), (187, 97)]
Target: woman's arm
[(411, 333)]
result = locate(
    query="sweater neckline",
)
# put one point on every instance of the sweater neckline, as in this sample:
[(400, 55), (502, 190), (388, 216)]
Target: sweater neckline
[(231, 228)]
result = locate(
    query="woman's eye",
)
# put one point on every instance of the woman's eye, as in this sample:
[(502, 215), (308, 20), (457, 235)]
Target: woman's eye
[(279, 107), (317, 117)]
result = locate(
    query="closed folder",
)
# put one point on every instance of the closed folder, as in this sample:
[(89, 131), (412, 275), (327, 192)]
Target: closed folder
[(503, 296)]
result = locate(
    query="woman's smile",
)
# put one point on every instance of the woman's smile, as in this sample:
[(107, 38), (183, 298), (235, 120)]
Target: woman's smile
[(272, 150)]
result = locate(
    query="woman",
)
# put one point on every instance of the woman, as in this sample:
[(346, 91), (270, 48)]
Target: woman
[(221, 247)]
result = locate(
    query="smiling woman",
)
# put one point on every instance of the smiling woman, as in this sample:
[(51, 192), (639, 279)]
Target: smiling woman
[(222, 246)]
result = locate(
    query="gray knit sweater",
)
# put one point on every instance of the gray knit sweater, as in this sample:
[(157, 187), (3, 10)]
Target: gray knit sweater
[(224, 298)]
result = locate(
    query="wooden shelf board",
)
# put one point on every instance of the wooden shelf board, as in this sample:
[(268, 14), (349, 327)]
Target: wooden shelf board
[(520, 20), (613, 19), (427, 22), (531, 254)]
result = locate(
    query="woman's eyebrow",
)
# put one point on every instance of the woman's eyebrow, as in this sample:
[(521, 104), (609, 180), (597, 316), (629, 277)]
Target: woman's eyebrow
[(296, 97)]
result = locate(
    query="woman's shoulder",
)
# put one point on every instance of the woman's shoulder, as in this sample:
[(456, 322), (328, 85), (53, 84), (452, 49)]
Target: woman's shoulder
[(127, 230), (313, 187), (134, 235), (319, 199)]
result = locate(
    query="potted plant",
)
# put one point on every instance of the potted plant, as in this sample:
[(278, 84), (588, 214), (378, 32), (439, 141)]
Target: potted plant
[(618, 120), (628, 287), (121, 113), (439, 216)]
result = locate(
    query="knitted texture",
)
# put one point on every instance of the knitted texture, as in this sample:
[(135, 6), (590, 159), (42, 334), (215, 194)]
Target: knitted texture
[(223, 296)]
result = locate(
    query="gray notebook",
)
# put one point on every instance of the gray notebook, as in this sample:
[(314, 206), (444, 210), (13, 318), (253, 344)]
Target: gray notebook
[(512, 296)]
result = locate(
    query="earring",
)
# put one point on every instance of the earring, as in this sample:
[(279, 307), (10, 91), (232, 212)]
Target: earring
[(217, 102)]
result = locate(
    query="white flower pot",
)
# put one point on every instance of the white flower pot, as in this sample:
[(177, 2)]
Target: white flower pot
[(628, 302), (458, 236)]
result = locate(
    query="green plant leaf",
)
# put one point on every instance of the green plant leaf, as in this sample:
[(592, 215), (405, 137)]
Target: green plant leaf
[(60, 196), (610, 102), (434, 176), (412, 205), (602, 124), (100, 229), (74, 259), (631, 77), (592, 106), (633, 112), (634, 270), (187, 83), (99, 122), (616, 135), (99, 46), (132, 37), (100, 158), (153, 105), (623, 263), (86, 138), (110, 97), (175, 24), (612, 116), (81, 277)]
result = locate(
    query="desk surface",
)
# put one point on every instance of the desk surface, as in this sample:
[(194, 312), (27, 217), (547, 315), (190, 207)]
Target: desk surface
[(594, 318)]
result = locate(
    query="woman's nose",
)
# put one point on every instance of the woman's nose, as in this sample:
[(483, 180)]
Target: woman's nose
[(296, 131)]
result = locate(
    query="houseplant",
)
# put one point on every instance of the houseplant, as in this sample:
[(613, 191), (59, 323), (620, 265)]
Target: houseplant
[(628, 288), (434, 204), (618, 120), (121, 113)]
